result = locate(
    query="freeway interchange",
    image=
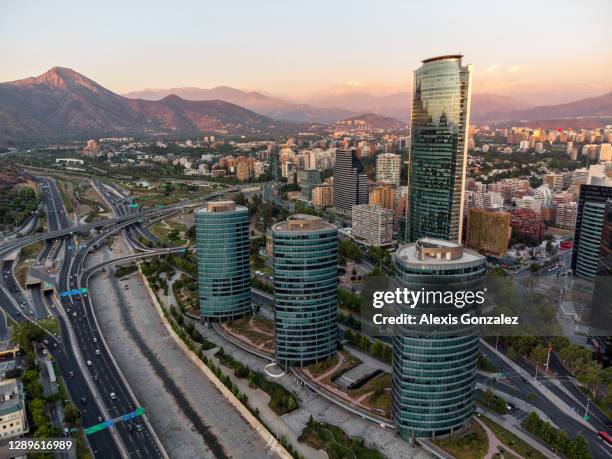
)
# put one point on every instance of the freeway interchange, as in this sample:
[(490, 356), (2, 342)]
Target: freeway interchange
[(93, 379)]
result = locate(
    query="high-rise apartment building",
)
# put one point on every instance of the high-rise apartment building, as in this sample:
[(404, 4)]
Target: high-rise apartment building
[(322, 195), (488, 232), (438, 155), (305, 283), (223, 251), (565, 215), (350, 183), (388, 166), (372, 224), (383, 195), (434, 374)]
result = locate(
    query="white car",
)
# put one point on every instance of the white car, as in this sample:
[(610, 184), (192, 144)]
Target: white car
[(89, 363), (95, 340), (113, 396), (98, 352)]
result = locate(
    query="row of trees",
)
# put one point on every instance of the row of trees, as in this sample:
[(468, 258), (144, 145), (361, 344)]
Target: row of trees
[(372, 347), (557, 440), (577, 359)]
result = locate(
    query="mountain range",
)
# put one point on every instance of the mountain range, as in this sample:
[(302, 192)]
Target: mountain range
[(64, 104), (330, 108)]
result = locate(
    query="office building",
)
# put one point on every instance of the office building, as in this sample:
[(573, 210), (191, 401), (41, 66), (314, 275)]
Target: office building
[(223, 254), (372, 225), (434, 373), (488, 232), (350, 183), (388, 167), (305, 283), (589, 227), (307, 179), (438, 155), (13, 420)]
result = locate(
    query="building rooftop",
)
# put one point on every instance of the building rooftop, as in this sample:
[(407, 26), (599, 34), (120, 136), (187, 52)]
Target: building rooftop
[(436, 251), (221, 206), (303, 223), (442, 58), (10, 396)]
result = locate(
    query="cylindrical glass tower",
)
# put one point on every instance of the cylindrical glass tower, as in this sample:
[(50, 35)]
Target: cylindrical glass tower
[(305, 283), (222, 238), (438, 154), (434, 368)]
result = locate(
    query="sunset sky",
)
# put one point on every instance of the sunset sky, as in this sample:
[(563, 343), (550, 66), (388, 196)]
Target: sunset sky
[(538, 51)]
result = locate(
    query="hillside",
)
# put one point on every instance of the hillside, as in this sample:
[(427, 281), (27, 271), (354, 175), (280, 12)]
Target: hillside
[(369, 122), (62, 103), (591, 107), (259, 103)]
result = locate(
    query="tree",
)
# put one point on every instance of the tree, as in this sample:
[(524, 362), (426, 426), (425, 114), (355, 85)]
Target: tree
[(538, 354), (590, 374), (578, 448)]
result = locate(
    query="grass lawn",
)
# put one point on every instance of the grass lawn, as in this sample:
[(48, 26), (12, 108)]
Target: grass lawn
[(243, 327), (26, 258), (379, 399), (164, 228), (471, 445), (511, 440), (336, 443)]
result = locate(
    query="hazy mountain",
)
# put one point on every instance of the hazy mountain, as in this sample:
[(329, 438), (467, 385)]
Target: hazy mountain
[(369, 122), (62, 103), (260, 103), (485, 104), (591, 107)]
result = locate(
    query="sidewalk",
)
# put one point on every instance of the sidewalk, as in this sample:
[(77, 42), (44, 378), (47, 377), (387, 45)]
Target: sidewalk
[(259, 399), (519, 433)]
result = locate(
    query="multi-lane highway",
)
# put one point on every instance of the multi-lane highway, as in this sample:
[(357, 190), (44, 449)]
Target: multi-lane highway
[(94, 381)]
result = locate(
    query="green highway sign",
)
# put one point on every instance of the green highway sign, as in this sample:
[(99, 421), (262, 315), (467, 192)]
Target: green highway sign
[(83, 290), (95, 428), (139, 411)]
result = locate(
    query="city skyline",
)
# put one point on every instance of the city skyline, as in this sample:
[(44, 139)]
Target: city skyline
[(302, 52)]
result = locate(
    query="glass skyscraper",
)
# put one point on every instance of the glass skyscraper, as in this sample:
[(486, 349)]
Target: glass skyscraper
[(305, 284), (434, 369), (589, 226), (438, 154), (222, 238)]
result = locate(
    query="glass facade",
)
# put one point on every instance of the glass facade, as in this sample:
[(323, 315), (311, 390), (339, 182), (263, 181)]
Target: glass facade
[(222, 239), (434, 372), (438, 155), (305, 284), (589, 228), (350, 183)]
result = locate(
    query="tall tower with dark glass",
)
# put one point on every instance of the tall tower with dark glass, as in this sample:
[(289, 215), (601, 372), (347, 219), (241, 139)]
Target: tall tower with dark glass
[(434, 368), (350, 183), (222, 240), (305, 283), (438, 154)]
